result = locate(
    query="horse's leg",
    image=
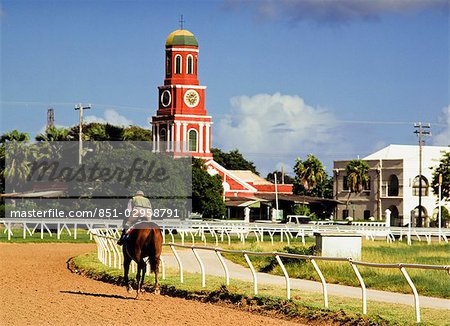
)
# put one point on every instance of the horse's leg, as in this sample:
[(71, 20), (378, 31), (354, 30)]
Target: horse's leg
[(138, 276), (144, 270), (157, 289), (158, 251), (126, 269), (137, 259)]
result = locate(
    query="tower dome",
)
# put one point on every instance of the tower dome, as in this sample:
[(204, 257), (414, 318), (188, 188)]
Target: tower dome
[(181, 37)]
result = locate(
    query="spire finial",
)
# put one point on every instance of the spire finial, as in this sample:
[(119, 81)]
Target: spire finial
[(181, 21)]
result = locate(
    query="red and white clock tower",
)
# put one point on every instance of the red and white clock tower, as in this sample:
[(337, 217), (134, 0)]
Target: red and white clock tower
[(181, 125)]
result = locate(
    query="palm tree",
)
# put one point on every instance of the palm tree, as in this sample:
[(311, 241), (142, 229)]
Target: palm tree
[(309, 174), (16, 152), (91, 131), (54, 134), (357, 177), (14, 135)]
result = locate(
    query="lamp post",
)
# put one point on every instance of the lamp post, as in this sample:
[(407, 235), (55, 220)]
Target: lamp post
[(80, 108), (411, 216)]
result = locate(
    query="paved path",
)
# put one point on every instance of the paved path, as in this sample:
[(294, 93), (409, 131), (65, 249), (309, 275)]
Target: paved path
[(213, 267)]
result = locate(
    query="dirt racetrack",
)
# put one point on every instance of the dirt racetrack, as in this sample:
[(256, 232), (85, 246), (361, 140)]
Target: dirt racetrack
[(36, 288)]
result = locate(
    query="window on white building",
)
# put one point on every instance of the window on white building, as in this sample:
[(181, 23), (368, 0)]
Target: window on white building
[(416, 186), (393, 185), (345, 183), (345, 213)]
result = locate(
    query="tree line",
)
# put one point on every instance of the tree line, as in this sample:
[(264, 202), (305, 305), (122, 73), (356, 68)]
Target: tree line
[(310, 176)]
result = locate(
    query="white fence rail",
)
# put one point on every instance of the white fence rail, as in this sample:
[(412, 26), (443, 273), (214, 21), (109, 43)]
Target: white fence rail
[(197, 230), (109, 253)]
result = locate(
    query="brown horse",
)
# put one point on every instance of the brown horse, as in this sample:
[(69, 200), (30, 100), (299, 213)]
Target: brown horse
[(143, 241)]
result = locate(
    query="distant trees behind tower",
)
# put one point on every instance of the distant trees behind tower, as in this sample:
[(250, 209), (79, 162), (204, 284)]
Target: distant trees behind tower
[(233, 160)]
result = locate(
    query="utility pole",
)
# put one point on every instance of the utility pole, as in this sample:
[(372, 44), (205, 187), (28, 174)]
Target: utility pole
[(80, 108), (276, 197), (421, 132), (440, 207)]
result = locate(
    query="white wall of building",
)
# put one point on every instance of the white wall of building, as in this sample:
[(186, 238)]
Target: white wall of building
[(431, 156)]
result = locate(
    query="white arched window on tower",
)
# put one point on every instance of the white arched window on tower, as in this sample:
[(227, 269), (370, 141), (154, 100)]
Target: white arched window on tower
[(178, 64), (190, 64), (196, 65), (168, 66), (193, 140)]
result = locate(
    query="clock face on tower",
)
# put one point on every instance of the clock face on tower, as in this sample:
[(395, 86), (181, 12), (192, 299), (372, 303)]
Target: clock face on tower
[(191, 98), (166, 98)]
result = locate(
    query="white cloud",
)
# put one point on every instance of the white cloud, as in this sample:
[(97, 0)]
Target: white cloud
[(275, 127), (442, 137), (109, 116), (337, 11)]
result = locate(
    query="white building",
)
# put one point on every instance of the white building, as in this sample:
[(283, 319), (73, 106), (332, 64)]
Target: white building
[(394, 185)]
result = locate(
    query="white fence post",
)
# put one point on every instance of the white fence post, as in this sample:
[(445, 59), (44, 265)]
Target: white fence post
[(286, 276), (324, 284), (255, 279), (163, 268), (225, 268), (202, 267), (363, 287), (416, 294), (180, 264)]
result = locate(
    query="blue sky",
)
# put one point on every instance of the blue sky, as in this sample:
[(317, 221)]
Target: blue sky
[(338, 79)]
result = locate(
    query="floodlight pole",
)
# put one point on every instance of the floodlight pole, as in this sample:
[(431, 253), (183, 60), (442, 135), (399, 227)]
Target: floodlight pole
[(80, 108)]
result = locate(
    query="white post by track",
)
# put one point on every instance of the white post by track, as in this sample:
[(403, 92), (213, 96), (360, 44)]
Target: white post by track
[(416, 294), (163, 268), (286, 276), (363, 287), (252, 269), (324, 284), (225, 267), (180, 264), (202, 267)]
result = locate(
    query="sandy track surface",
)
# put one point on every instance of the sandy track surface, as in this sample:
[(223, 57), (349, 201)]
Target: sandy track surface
[(36, 288)]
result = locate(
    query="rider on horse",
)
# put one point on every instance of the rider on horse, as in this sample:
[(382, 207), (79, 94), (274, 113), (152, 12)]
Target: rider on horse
[(139, 208)]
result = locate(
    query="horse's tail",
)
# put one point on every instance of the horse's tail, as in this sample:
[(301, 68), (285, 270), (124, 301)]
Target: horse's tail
[(154, 262), (156, 248)]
